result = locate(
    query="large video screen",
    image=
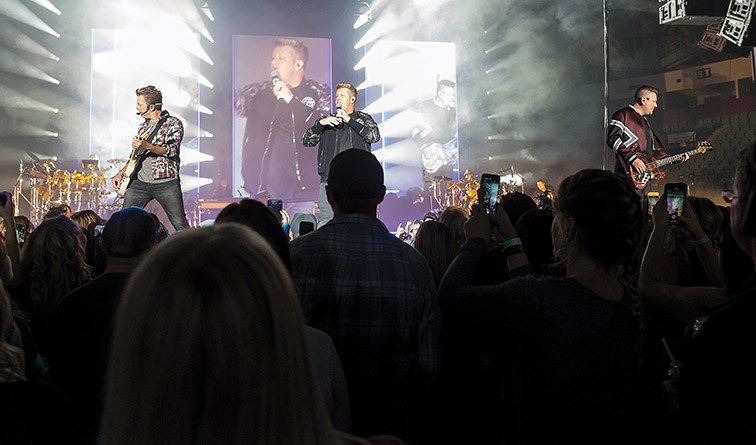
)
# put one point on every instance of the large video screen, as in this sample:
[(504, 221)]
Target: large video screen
[(282, 85), (412, 93)]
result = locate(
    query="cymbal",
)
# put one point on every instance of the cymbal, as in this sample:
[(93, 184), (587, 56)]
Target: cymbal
[(116, 161), (441, 178), (512, 179)]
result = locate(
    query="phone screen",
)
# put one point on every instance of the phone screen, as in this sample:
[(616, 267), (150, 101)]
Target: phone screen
[(20, 232), (489, 187), (98, 229), (652, 198), (676, 195)]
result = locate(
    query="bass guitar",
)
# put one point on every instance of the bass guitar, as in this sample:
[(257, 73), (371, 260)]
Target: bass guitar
[(653, 172)]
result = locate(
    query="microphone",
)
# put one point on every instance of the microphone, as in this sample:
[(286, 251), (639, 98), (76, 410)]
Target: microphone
[(274, 76)]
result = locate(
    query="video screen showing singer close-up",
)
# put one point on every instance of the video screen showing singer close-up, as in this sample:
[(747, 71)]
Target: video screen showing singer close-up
[(282, 85)]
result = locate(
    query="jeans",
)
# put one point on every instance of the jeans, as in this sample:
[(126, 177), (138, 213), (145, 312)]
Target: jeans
[(167, 194), (326, 212)]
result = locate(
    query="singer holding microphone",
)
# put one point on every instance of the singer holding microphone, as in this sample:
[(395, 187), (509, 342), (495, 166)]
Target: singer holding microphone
[(337, 132), (275, 164), (153, 168)]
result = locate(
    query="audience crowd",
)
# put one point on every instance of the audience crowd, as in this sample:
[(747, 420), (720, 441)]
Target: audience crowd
[(593, 321)]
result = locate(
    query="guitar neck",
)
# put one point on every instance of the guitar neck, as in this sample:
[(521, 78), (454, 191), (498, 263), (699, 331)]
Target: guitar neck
[(674, 158)]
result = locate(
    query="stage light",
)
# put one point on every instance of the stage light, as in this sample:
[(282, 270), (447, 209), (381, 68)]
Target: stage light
[(203, 109), (189, 182), (13, 63), (388, 22), (404, 152), (204, 81), (193, 156), (399, 125), (26, 130), (364, 15), (47, 5), (17, 11), (205, 8), (9, 33), (10, 98), (376, 54)]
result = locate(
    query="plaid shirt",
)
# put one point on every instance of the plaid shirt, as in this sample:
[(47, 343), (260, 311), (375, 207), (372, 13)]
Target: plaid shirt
[(375, 296), (169, 135)]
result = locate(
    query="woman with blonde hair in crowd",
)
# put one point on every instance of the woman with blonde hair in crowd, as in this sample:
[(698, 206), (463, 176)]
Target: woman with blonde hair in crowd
[(208, 348)]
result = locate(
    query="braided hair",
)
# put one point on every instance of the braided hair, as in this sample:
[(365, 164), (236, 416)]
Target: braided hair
[(609, 223)]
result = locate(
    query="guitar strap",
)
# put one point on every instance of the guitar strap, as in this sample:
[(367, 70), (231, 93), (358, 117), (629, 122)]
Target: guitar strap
[(146, 153)]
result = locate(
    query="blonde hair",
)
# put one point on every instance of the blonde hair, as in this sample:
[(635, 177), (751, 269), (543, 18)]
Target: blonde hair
[(208, 348)]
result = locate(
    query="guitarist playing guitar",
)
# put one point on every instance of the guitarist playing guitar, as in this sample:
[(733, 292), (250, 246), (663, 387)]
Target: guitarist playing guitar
[(153, 168), (631, 137)]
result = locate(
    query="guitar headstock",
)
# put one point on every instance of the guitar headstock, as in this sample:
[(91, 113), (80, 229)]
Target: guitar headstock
[(704, 146)]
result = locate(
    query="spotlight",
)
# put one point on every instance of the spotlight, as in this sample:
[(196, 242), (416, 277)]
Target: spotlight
[(205, 8), (364, 15)]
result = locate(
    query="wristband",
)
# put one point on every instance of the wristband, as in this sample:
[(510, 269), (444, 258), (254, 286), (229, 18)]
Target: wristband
[(510, 243), (700, 242)]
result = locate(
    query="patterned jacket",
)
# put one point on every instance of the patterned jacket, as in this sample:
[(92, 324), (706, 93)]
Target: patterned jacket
[(627, 137), (169, 136)]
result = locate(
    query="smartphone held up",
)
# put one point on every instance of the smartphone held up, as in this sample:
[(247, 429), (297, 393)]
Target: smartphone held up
[(488, 194), (677, 195)]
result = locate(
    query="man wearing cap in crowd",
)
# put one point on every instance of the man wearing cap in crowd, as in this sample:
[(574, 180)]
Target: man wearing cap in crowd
[(375, 296), (81, 326), (342, 130)]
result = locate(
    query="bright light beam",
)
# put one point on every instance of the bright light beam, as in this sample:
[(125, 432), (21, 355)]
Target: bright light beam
[(498, 66), (189, 183), (17, 11), (205, 8), (15, 64), (404, 152), (9, 33), (383, 25), (24, 129), (193, 156), (47, 5)]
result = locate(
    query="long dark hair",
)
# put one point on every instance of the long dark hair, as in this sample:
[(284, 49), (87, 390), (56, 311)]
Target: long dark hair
[(609, 222), (53, 263)]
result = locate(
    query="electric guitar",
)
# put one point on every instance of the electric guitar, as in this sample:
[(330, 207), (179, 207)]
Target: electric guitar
[(435, 155), (641, 179), (126, 178)]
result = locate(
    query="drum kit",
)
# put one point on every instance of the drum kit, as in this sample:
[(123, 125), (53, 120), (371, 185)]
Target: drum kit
[(464, 193), (43, 185)]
